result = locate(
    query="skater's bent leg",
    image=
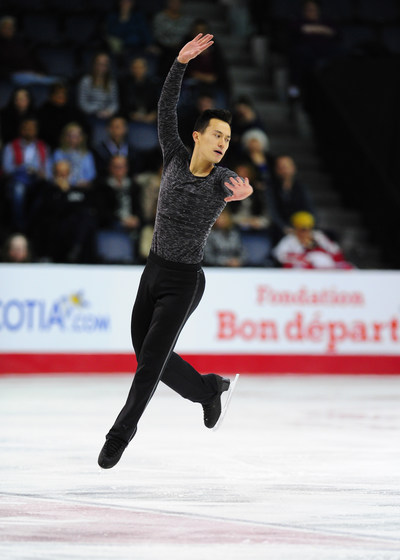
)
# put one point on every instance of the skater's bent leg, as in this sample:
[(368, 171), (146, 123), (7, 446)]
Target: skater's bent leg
[(183, 378)]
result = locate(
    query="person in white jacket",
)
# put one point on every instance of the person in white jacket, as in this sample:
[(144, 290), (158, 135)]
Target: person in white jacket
[(306, 247)]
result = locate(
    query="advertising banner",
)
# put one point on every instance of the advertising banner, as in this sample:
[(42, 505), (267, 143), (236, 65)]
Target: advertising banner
[(77, 318)]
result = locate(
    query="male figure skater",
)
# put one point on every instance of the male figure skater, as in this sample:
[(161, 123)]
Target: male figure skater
[(193, 192)]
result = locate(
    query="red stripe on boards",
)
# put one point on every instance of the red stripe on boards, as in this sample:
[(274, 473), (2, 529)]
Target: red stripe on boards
[(31, 363)]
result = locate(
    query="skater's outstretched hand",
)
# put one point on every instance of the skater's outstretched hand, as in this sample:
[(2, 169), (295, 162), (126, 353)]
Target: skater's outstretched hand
[(194, 47), (240, 188)]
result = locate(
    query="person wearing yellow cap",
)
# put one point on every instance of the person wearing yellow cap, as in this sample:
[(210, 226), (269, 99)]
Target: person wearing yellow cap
[(306, 247), (302, 220)]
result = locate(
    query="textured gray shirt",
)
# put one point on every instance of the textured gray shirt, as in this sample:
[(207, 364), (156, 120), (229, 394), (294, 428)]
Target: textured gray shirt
[(187, 205)]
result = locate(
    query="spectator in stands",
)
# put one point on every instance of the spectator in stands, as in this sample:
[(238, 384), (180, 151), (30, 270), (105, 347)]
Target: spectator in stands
[(17, 61), (26, 162), (313, 42), (286, 195), (224, 244), (16, 249), (27, 152), (251, 213), (306, 247), (207, 73), (18, 108), (65, 223), (98, 96), (139, 93), (252, 218), (255, 144), (127, 28), (170, 26), (116, 142), (149, 183), (73, 148), (139, 97), (117, 199), (255, 148), (56, 113), (244, 118)]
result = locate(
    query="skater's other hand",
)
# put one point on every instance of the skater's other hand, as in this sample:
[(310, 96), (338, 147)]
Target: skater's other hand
[(240, 188)]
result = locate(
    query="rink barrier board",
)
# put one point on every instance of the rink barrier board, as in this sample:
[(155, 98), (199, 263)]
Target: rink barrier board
[(76, 319), (106, 363)]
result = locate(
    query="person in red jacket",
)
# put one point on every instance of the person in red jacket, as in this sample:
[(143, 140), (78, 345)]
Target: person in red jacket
[(26, 162), (306, 247)]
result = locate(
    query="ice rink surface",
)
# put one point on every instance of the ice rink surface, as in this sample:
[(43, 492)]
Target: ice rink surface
[(303, 468)]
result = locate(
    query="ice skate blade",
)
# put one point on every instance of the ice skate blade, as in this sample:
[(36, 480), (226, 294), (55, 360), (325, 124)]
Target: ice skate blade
[(227, 401)]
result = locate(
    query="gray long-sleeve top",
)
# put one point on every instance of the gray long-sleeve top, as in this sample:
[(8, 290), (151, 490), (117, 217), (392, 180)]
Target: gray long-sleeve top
[(187, 205)]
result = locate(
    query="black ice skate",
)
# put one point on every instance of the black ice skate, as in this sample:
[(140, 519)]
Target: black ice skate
[(227, 401), (111, 452), (212, 409)]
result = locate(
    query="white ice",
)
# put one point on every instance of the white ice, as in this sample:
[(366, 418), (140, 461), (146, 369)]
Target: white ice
[(303, 468)]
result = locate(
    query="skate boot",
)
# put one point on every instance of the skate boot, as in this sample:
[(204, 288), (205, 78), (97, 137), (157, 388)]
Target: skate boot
[(212, 409), (111, 452)]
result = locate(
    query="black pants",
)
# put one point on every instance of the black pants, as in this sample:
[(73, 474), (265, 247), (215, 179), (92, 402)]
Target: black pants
[(168, 294)]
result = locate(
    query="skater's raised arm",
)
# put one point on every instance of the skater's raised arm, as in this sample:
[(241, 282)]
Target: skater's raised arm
[(168, 134)]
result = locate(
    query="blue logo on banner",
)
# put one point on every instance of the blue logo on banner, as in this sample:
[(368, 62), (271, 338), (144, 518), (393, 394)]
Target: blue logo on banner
[(68, 313)]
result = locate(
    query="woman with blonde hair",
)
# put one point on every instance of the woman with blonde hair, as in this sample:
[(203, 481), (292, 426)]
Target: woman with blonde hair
[(73, 149)]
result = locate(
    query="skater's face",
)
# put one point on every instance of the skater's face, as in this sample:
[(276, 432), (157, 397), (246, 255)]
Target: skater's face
[(214, 141)]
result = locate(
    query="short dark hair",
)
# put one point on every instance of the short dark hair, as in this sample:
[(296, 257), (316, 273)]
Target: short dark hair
[(203, 120)]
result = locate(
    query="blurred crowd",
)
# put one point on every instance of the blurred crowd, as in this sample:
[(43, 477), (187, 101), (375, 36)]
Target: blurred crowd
[(80, 160)]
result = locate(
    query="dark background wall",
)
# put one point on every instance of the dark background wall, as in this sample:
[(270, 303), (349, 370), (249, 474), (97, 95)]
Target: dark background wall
[(355, 110)]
